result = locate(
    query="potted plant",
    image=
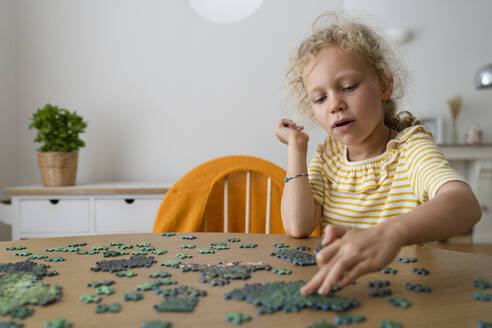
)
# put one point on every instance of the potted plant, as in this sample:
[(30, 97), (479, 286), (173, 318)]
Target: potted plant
[(58, 132)]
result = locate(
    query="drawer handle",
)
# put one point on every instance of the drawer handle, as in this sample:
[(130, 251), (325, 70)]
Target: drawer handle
[(129, 200), (54, 201)]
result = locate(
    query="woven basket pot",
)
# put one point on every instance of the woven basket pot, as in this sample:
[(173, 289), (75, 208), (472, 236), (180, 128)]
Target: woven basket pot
[(58, 169)]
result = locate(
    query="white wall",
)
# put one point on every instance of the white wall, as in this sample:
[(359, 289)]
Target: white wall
[(9, 141), (161, 88), (164, 90)]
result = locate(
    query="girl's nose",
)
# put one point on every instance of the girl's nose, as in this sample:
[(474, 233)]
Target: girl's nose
[(336, 104)]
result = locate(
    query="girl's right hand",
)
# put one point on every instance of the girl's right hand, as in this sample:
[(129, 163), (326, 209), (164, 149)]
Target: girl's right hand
[(289, 133)]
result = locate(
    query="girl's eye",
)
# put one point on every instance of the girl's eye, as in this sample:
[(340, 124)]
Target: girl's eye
[(319, 100), (350, 88)]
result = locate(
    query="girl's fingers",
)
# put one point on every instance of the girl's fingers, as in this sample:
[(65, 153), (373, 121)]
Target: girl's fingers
[(326, 254), (333, 232), (358, 270), (313, 284), (334, 275)]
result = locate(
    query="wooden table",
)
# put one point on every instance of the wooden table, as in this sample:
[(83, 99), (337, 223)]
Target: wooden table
[(449, 305)]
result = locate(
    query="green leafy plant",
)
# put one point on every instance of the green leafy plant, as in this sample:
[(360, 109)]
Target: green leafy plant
[(58, 129)]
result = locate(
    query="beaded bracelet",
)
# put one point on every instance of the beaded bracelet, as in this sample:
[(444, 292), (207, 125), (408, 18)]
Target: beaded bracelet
[(295, 176)]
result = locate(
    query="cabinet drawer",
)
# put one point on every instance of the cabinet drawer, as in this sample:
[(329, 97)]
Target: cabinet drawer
[(126, 215), (54, 215)]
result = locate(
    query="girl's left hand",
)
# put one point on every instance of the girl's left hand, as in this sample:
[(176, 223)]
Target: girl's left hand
[(357, 252)]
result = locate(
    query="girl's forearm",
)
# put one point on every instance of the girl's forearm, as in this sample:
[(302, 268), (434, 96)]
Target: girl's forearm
[(453, 211), (298, 208)]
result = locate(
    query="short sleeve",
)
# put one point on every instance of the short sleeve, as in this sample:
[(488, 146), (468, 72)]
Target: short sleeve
[(317, 179), (427, 167)]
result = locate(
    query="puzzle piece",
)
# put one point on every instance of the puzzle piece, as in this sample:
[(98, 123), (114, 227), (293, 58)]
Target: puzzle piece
[(96, 284), (248, 245), (103, 308), (237, 318), (87, 298), (220, 274), (128, 274), (37, 257), (139, 253), (183, 256), (280, 245), (54, 259), (233, 240), (15, 248), (380, 292), (21, 312), (123, 264), (483, 296), (303, 248), (181, 290), (87, 252), (417, 288), (480, 283), (58, 323), (40, 270), (100, 248), (23, 253), (389, 270), (321, 324), (159, 251), (406, 259), (156, 324), (165, 282), (70, 249), (160, 274), (123, 247), (53, 249), (389, 324), (294, 256), (133, 296), (106, 290), (188, 246), (116, 253), (420, 271), (219, 245), (189, 237), (378, 283), (177, 304), (145, 244), (10, 324), (168, 234), (401, 302), (77, 244), (281, 271), (171, 263), (145, 286), (205, 251), (276, 296), (115, 243), (18, 289), (347, 319)]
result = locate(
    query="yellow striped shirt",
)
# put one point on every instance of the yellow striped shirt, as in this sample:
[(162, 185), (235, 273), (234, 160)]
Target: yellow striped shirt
[(368, 192)]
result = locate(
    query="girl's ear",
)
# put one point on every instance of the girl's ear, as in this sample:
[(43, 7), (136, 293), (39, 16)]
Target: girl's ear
[(386, 87)]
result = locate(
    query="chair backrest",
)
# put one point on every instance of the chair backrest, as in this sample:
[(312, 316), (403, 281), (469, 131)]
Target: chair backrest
[(229, 194)]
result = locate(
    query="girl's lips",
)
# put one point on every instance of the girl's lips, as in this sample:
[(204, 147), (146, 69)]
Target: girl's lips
[(344, 127)]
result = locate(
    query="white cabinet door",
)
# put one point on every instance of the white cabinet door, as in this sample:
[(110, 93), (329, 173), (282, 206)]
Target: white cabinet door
[(56, 216), (125, 215)]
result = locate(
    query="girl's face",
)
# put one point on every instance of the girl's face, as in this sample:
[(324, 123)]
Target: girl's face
[(346, 97)]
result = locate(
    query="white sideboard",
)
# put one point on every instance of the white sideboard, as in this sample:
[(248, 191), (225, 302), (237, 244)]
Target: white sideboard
[(37, 212), (474, 162)]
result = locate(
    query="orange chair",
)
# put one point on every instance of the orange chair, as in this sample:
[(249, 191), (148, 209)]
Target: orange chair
[(227, 194)]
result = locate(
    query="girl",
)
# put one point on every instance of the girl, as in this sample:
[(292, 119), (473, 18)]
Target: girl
[(378, 182)]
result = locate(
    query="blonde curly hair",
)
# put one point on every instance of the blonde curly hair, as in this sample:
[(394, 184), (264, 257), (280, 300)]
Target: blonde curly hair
[(363, 41)]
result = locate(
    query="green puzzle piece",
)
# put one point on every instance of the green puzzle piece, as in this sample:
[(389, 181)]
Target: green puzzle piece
[(156, 324), (160, 274), (106, 290), (103, 308), (237, 318), (58, 323), (321, 324), (86, 298), (347, 318), (128, 274), (133, 296)]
